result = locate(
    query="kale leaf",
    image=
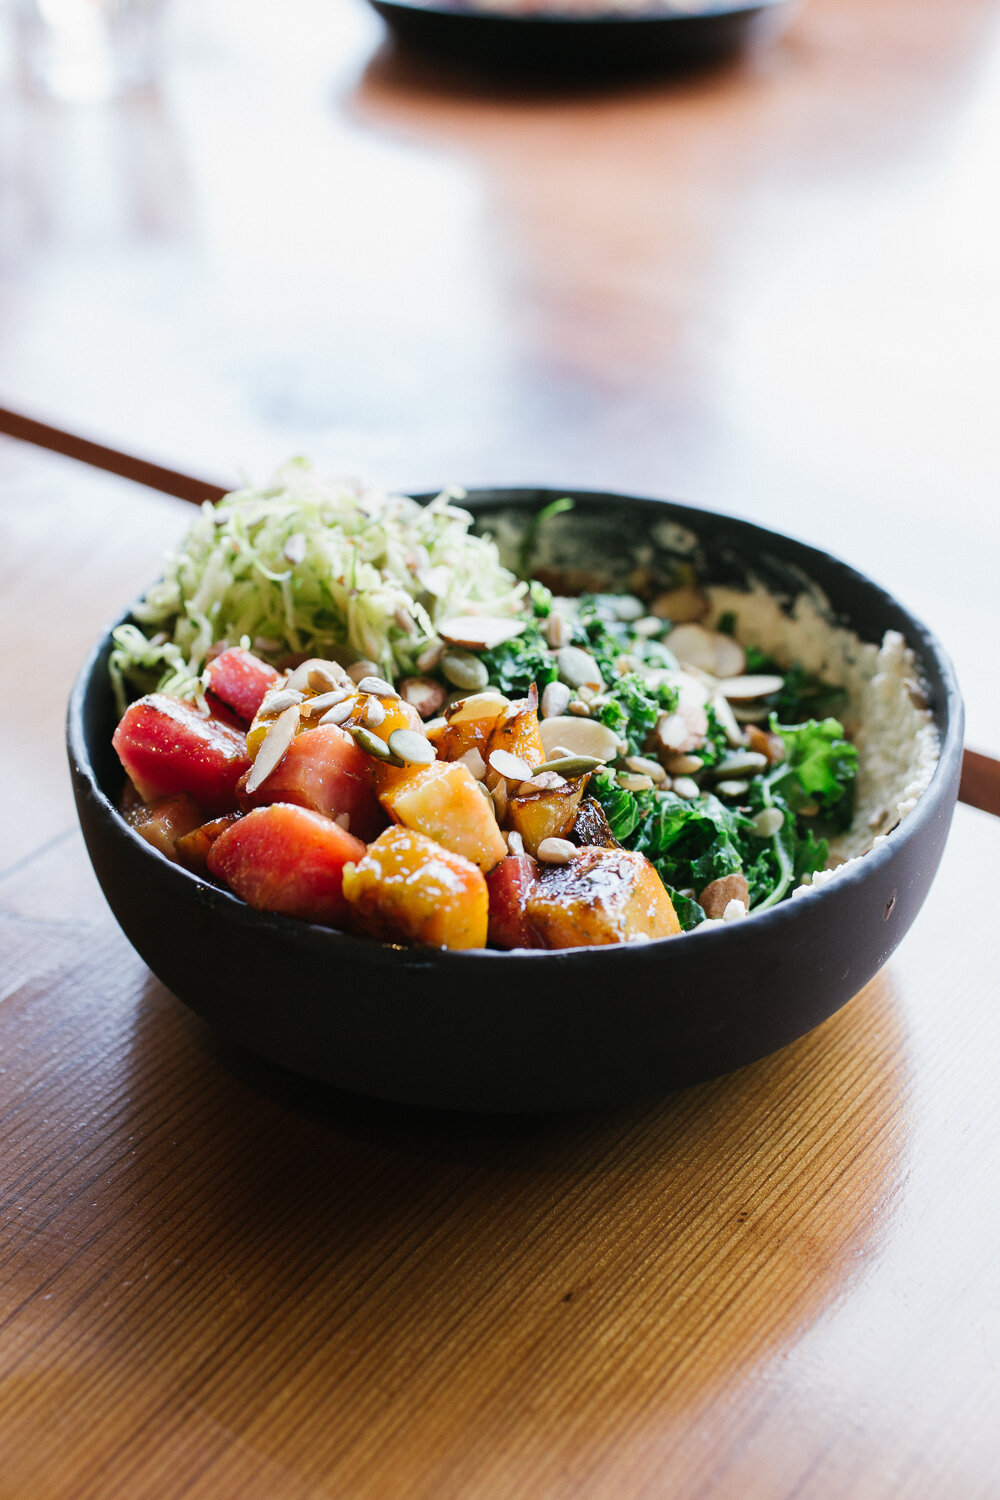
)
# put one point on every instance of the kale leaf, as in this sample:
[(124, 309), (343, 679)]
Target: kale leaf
[(514, 665), (633, 708), (820, 766)]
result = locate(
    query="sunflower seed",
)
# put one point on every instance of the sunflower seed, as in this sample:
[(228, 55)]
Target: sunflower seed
[(326, 674), (686, 788), (768, 822), (273, 746), (499, 797), (732, 788), (556, 851), (633, 783), (643, 766), (555, 700), (557, 630), (510, 767), (739, 764), (278, 702), (578, 708), (374, 713), (464, 670), (339, 713), (412, 747), (378, 686), (684, 765), (515, 843), (313, 707), (727, 721)]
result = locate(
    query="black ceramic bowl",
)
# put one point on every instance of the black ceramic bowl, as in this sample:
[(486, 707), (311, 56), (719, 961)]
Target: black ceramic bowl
[(554, 44), (528, 1031)]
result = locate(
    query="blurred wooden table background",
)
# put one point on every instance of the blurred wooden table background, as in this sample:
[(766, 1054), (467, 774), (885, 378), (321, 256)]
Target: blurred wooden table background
[(771, 289)]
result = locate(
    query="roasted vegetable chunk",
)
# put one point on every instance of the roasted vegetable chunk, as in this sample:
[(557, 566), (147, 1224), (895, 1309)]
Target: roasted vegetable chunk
[(601, 896), (167, 745), (516, 731), (468, 726), (239, 680), (192, 849), (409, 889), (287, 859), (325, 770), (444, 802), (164, 823), (509, 885), (544, 808)]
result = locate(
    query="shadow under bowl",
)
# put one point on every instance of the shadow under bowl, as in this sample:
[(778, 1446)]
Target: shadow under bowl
[(534, 1031)]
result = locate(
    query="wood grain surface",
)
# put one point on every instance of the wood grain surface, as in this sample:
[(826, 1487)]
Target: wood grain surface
[(768, 289), (222, 1281)]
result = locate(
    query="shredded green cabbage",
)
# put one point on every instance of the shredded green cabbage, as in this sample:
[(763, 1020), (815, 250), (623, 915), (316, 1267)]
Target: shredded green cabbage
[(310, 564)]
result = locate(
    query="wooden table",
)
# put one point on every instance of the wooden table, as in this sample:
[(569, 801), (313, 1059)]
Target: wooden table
[(220, 1280), (770, 289)]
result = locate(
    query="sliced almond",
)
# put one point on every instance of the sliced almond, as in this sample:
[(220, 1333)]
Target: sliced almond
[(510, 767), (328, 675), (423, 694), (273, 746), (479, 632), (709, 650), (744, 689), (578, 668), (683, 730), (727, 721), (577, 736)]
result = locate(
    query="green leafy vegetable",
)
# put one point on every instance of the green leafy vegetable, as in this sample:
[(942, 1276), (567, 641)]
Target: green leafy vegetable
[(516, 664), (820, 765), (633, 708)]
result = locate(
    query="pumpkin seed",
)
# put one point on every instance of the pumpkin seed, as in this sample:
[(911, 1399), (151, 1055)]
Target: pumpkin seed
[(739, 764), (413, 748), (569, 766), (373, 745), (464, 670)]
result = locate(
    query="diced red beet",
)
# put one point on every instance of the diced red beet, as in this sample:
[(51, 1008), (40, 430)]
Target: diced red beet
[(239, 680), (165, 822), (167, 746), (508, 885), (287, 859), (192, 849), (326, 770)]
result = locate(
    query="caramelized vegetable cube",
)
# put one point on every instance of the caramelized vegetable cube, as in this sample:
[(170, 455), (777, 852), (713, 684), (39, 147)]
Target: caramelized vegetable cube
[(407, 888), (444, 802), (325, 770), (287, 859), (239, 680), (544, 811), (516, 731), (165, 822), (509, 885), (601, 896), (192, 849), (167, 745)]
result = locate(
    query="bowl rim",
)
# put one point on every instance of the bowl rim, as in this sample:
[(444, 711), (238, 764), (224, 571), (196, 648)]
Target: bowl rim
[(656, 13), (227, 905)]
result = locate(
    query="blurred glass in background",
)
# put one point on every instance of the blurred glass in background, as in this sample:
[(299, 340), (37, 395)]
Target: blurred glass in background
[(90, 51)]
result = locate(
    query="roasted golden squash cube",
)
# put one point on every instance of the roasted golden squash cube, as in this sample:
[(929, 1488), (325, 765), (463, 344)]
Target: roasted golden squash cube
[(444, 802), (516, 731), (601, 896), (544, 812), (409, 889), (469, 724)]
